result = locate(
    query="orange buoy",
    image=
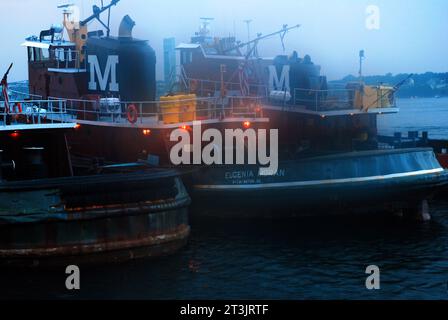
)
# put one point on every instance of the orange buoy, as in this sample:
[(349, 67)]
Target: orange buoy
[(132, 114)]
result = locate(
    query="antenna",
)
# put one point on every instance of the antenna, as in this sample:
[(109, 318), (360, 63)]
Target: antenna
[(361, 59), (248, 22), (67, 8), (64, 6)]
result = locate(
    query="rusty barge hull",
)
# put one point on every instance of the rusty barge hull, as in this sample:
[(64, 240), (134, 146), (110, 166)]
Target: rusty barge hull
[(95, 219)]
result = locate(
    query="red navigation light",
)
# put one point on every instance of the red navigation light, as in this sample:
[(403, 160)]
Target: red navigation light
[(247, 124), (146, 132), (15, 135), (184, 127), (77, 126)]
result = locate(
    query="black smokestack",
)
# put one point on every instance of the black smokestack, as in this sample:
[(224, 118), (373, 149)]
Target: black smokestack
[(126, 26)]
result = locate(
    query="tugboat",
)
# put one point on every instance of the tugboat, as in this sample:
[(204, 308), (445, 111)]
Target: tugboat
[(296, 98), (328, 136), (108, 86), (383, 180), (50, 217)]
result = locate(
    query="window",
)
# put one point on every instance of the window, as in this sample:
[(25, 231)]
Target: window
[(186, 57), (45, 55), (38, 55), (59, 54), (30, 54)]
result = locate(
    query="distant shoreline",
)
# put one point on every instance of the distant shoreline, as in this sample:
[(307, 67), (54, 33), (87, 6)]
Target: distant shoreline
[(426, 85)]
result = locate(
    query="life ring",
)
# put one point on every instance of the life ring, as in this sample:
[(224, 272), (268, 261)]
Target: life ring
[(194, 84), (17, 108), (132, 114)]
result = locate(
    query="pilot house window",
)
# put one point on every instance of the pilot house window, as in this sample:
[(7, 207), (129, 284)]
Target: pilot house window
[(186, 57), (37, 54), (30, 54)]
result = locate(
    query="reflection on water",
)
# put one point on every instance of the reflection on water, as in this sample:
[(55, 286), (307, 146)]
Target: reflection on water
[(312, 258)]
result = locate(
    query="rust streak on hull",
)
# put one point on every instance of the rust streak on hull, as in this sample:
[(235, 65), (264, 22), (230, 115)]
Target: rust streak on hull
[(121, 250)]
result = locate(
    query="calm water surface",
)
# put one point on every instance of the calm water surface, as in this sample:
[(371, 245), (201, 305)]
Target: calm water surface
[(418, 115), (299, 259), (313, 258)]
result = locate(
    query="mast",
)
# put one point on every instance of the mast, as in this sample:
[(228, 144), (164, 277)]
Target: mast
[(77, 30), (97, 11), (248, 22), (204, 28), (361, 59)]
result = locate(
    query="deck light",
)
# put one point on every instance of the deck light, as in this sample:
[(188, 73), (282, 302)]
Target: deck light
[(146, 132), (15, 135)]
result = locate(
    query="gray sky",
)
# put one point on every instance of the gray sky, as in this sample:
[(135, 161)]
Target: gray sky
[(412, 35)]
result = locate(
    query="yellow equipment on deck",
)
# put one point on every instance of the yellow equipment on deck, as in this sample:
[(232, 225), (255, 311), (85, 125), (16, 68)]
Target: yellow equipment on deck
[(371, 97), (178, 108)]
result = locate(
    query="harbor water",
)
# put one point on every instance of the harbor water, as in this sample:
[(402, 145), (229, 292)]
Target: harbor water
[(310, 258), (301, 259), (429, 115)]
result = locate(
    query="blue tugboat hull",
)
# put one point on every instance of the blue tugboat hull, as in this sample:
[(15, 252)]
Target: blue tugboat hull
[(332, 184)]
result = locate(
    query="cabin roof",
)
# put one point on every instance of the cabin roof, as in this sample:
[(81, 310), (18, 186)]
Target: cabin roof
[(188, 46), (45, 44)]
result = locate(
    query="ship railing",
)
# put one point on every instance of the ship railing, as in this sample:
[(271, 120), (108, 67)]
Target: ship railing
[(342, 99), (24, 95), (167, 112), (324, 100), (35, 111), (67, 59), (210, 88), (317, 100)]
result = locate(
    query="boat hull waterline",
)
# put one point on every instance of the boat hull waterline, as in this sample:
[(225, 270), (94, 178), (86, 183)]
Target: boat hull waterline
[(343, 183)]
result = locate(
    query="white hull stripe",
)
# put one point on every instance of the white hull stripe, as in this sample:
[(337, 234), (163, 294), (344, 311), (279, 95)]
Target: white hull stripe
[(156, 125), (43, 126), (318, 182)]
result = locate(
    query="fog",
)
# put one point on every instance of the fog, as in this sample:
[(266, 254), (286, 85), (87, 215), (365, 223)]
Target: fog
[(412, 34)]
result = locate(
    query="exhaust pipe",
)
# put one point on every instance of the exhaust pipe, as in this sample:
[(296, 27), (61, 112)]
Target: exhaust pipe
[(126, 26)]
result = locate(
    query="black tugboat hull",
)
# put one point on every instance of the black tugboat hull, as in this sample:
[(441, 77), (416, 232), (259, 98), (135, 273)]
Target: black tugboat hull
[(98, 219), (347, 183)]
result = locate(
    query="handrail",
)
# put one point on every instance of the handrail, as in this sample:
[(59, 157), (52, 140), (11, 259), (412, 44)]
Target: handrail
[(318, 100), (72, 58), (176, 111), (35, 111)]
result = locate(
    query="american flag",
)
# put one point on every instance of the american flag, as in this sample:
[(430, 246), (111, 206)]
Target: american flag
[(244, 81), (4, 84)]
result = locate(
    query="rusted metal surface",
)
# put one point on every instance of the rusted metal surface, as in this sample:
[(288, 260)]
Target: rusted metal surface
[(443, 159), (123, 219), (107, 251)]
